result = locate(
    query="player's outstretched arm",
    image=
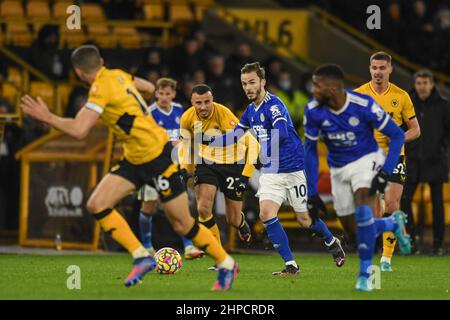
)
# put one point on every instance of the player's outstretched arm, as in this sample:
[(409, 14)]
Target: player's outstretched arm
[(78, 127), (230, 137), (252, 149), (144, 85)]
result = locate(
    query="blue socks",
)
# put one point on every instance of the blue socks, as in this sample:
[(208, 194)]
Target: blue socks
[(321, 229), (279, 239), (385, 224), (145, 227), (365, 237), (187, 242)]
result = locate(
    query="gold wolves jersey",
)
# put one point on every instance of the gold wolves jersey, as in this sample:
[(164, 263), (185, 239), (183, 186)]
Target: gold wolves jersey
[(396, 102), (219, 122), (114, 96)]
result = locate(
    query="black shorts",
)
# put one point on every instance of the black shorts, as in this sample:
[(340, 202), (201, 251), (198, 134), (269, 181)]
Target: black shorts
[(160, 173), (223, 176), (399, 173)]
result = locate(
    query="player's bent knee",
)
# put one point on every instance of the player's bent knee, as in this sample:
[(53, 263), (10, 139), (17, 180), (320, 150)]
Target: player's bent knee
[(93, 206), (204, 210), (182, 226), (266, 215)]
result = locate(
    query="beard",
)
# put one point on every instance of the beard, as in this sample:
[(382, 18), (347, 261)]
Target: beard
[(257, 93), (323, 101)]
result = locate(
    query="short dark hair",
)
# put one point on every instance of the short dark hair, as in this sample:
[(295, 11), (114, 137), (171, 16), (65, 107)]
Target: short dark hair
[(381, 55), (424, 73), (330, 71), (86, 58), (200, 89), (254, 67)]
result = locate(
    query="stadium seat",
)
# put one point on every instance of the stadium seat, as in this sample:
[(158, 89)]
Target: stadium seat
[(205, 3), (447, 213), (60, 8), (18, 34), (180, 13), (62, 97), (101, 34), (10, 92), (92, 12), (44, 90), (38, 9), (15, 76), (11, 9), (72, 38), (446, 192), (127, 37), (201, 6), (426, 193), (154, 11), (322, 153)]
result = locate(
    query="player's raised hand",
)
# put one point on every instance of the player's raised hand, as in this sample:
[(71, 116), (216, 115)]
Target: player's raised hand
[(35, 108), (379, 182)]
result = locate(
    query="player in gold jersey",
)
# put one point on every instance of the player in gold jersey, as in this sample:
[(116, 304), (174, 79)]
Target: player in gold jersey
[(114, 97), (397, 103), (225, 168)]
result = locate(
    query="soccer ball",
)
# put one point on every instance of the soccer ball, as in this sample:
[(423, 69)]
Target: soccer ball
[(168, 261)]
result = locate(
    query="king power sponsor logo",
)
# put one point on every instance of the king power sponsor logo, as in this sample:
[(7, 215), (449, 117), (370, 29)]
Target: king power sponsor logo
[(62, 202)]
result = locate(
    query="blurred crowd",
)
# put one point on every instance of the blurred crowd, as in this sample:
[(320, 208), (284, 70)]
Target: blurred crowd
[(418, 29)]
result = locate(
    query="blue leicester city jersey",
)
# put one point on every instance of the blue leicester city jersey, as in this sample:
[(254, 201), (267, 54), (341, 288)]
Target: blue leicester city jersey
[(277, 157), (348, 133), (168, 120)]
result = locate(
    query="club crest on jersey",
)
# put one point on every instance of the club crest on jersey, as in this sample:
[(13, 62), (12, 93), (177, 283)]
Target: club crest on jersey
[(394, 103), (232, 123), (177, 120), (275, 111), (261, 117), (353, 121)]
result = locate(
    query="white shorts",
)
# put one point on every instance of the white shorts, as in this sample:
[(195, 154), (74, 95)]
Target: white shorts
[(147, 193), (351, 177), (279, 187)]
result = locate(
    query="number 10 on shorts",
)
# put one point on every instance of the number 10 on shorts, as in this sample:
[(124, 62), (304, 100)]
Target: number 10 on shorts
[(300, 191)]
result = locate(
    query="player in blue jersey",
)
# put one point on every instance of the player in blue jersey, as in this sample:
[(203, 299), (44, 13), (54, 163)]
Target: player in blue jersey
[(345, 120), (283, 178), (167, 114)]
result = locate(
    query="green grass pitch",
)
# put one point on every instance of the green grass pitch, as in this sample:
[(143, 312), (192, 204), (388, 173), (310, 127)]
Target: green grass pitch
[(45, 277)]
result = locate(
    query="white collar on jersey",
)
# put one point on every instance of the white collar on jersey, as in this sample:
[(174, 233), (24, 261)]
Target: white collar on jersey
[(347, 102), (266, 99), (167, 113)]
